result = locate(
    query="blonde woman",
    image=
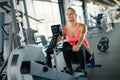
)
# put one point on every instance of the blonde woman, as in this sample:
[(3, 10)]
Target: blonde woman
[(75, 34)]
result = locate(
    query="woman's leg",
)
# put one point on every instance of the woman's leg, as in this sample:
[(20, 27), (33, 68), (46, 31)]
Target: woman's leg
[(81, 57), (88, 52), (67, 54), (84, 55)]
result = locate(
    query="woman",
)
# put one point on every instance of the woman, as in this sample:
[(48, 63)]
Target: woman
[(75, 34)]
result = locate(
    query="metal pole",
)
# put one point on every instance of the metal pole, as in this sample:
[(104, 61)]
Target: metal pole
[(2, 21), (14, 27), (85, 11), (29, 33), (62, 12)]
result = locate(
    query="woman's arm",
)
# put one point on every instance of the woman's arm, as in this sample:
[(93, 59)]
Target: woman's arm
[(83, 30)]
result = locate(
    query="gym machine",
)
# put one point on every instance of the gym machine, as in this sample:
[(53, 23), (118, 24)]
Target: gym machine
[(98, 21), (29, 62)]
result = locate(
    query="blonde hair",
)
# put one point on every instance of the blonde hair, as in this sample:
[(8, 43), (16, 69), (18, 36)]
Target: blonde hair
[(69, 8)]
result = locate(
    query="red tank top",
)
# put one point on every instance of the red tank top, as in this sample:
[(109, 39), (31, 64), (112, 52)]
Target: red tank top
[(73, 41)]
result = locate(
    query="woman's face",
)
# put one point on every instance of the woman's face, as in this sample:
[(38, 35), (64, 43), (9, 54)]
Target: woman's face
[(70, 15)]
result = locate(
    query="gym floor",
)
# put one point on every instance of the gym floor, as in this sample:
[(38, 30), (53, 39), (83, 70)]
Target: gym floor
[(110, 69)]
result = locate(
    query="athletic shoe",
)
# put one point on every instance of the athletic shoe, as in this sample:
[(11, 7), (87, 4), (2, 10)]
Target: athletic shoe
[(108, 29), (68, 70)]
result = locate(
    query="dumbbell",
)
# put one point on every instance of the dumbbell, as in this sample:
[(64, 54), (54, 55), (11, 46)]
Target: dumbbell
[(103, 44)]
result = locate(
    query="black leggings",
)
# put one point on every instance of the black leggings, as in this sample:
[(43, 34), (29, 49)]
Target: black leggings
[(75, 57)]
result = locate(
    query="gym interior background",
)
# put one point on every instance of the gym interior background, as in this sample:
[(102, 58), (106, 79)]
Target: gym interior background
[(38, 15)]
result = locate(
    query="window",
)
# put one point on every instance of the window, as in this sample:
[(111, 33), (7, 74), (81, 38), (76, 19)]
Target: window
[(46, 13)]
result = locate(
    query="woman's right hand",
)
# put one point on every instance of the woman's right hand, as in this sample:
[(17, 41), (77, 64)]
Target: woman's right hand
[(75, 48)]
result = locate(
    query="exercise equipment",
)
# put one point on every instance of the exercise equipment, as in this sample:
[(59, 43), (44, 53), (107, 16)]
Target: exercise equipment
[(97, 24), (29, 63), (56, 31), (92, 62), (103, 44)]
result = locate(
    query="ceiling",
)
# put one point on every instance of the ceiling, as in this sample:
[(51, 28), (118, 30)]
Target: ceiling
[(106, 2)]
